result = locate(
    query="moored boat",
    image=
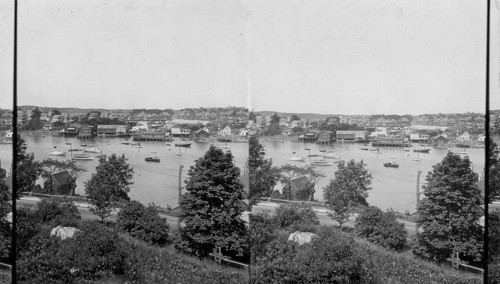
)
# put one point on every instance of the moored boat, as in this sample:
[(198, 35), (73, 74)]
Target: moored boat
[(82, 157), (331, 156), (91, 150), (182, 145), (58, 153), (297, 159), (421, 150), (391, 165), (321, 162), (152, 159)]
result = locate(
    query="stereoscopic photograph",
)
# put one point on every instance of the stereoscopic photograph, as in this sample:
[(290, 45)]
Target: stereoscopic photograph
[(250, 141)]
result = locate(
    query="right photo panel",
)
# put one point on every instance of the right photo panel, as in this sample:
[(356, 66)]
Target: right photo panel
[(368, 142)]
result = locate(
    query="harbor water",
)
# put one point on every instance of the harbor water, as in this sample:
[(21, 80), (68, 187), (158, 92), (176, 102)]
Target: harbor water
[(391, 187), (153, 182)]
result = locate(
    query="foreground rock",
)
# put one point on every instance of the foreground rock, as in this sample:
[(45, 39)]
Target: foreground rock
[(64, 232), (301, 237)]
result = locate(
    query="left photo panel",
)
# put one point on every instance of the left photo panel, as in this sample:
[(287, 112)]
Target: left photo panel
[(6, 137), (133, 145)]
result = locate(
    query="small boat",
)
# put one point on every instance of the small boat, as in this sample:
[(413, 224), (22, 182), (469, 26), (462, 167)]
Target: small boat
[(225, 140), (152, 159), (83, 145), (391, 165), (263, 151), (182, 145), (407, 149), (331, 156), (321, 162), (74, 150), (364, 148), (314, 155), (202, 140), (322, 150), (136, 145), (126, 143), (297, 159), (374, 150), (58, 153), (91, 150), (421, 150), (167, 144), (92, 145), (417, 158), (82, 157)]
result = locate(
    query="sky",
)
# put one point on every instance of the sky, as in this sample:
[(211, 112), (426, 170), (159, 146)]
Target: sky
[(495, 55), (6, 53), (322, 56)]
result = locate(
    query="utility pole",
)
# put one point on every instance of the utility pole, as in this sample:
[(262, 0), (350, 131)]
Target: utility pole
[(180, 194), (418, 196)]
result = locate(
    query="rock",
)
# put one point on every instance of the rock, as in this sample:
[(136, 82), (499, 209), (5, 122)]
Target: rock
[(64, 232), (301, 237)]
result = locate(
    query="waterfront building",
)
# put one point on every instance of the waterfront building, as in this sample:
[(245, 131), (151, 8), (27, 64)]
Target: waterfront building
[(301, 189)]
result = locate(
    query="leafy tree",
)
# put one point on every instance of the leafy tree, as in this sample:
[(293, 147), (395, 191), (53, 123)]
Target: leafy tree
[(289, 172), (263, 176), (27, 169), (58, 213), (450, 213), (348, 190), (143, 223), (296, 217), (273, 129), (275, 119), (494, 247), (294, 117), (110, 183), (494, 172), (56, 112), (381, 228), (212, 207), (5, 209)]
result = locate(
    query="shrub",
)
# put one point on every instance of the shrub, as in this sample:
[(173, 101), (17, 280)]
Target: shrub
[(494, 247), (27, 226), (262, 232), (381, 228), (331, 257), (143, 223), (93, 253), (296, 217), (57, 212)]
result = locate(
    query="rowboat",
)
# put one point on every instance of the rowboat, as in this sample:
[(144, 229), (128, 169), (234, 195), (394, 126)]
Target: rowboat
[(391, 165), (58, 153), (82, 157), (297, 159), (321, 162), (152, 159)]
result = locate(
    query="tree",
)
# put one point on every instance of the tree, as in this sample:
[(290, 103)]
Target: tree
[(494, 172), (275, 119), (289, 172), (212, 207), (110, 183), (5, 209), (263, 176), (450, 213), (27, 169), (56, 112), (294, 117), (348, 190)]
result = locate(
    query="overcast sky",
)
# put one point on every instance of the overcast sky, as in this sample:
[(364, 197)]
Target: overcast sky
[(495, 55), (6, 53), (321, 56)]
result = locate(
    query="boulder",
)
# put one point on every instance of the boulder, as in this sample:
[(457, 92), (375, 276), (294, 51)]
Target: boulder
[(301, 237), (64, 232)]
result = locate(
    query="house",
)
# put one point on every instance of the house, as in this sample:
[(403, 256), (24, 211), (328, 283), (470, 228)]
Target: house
[(122, 130), (299, 189), (225, 131), (439, 140), (350, 135), (244, 132), (200, 134), (108, 129), (325, 137), (464, 137), (61, 183), (180, 132)]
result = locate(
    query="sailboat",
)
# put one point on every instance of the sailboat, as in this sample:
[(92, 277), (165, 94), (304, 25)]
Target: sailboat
[(179, 153), (418, 157)]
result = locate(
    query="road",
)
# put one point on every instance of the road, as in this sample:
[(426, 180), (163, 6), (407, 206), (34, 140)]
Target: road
[(323, 217)]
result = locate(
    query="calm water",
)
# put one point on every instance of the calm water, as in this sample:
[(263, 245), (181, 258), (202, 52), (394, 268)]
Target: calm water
[(6, 156), (391, 187), (153, 182)]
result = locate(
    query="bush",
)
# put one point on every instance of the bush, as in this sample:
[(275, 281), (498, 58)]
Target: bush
[(143, 223), (27, 226), (57, 212), (381, 228), (262, 232), (296, 217), (494, 247), (93, 253), (331, 257)]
